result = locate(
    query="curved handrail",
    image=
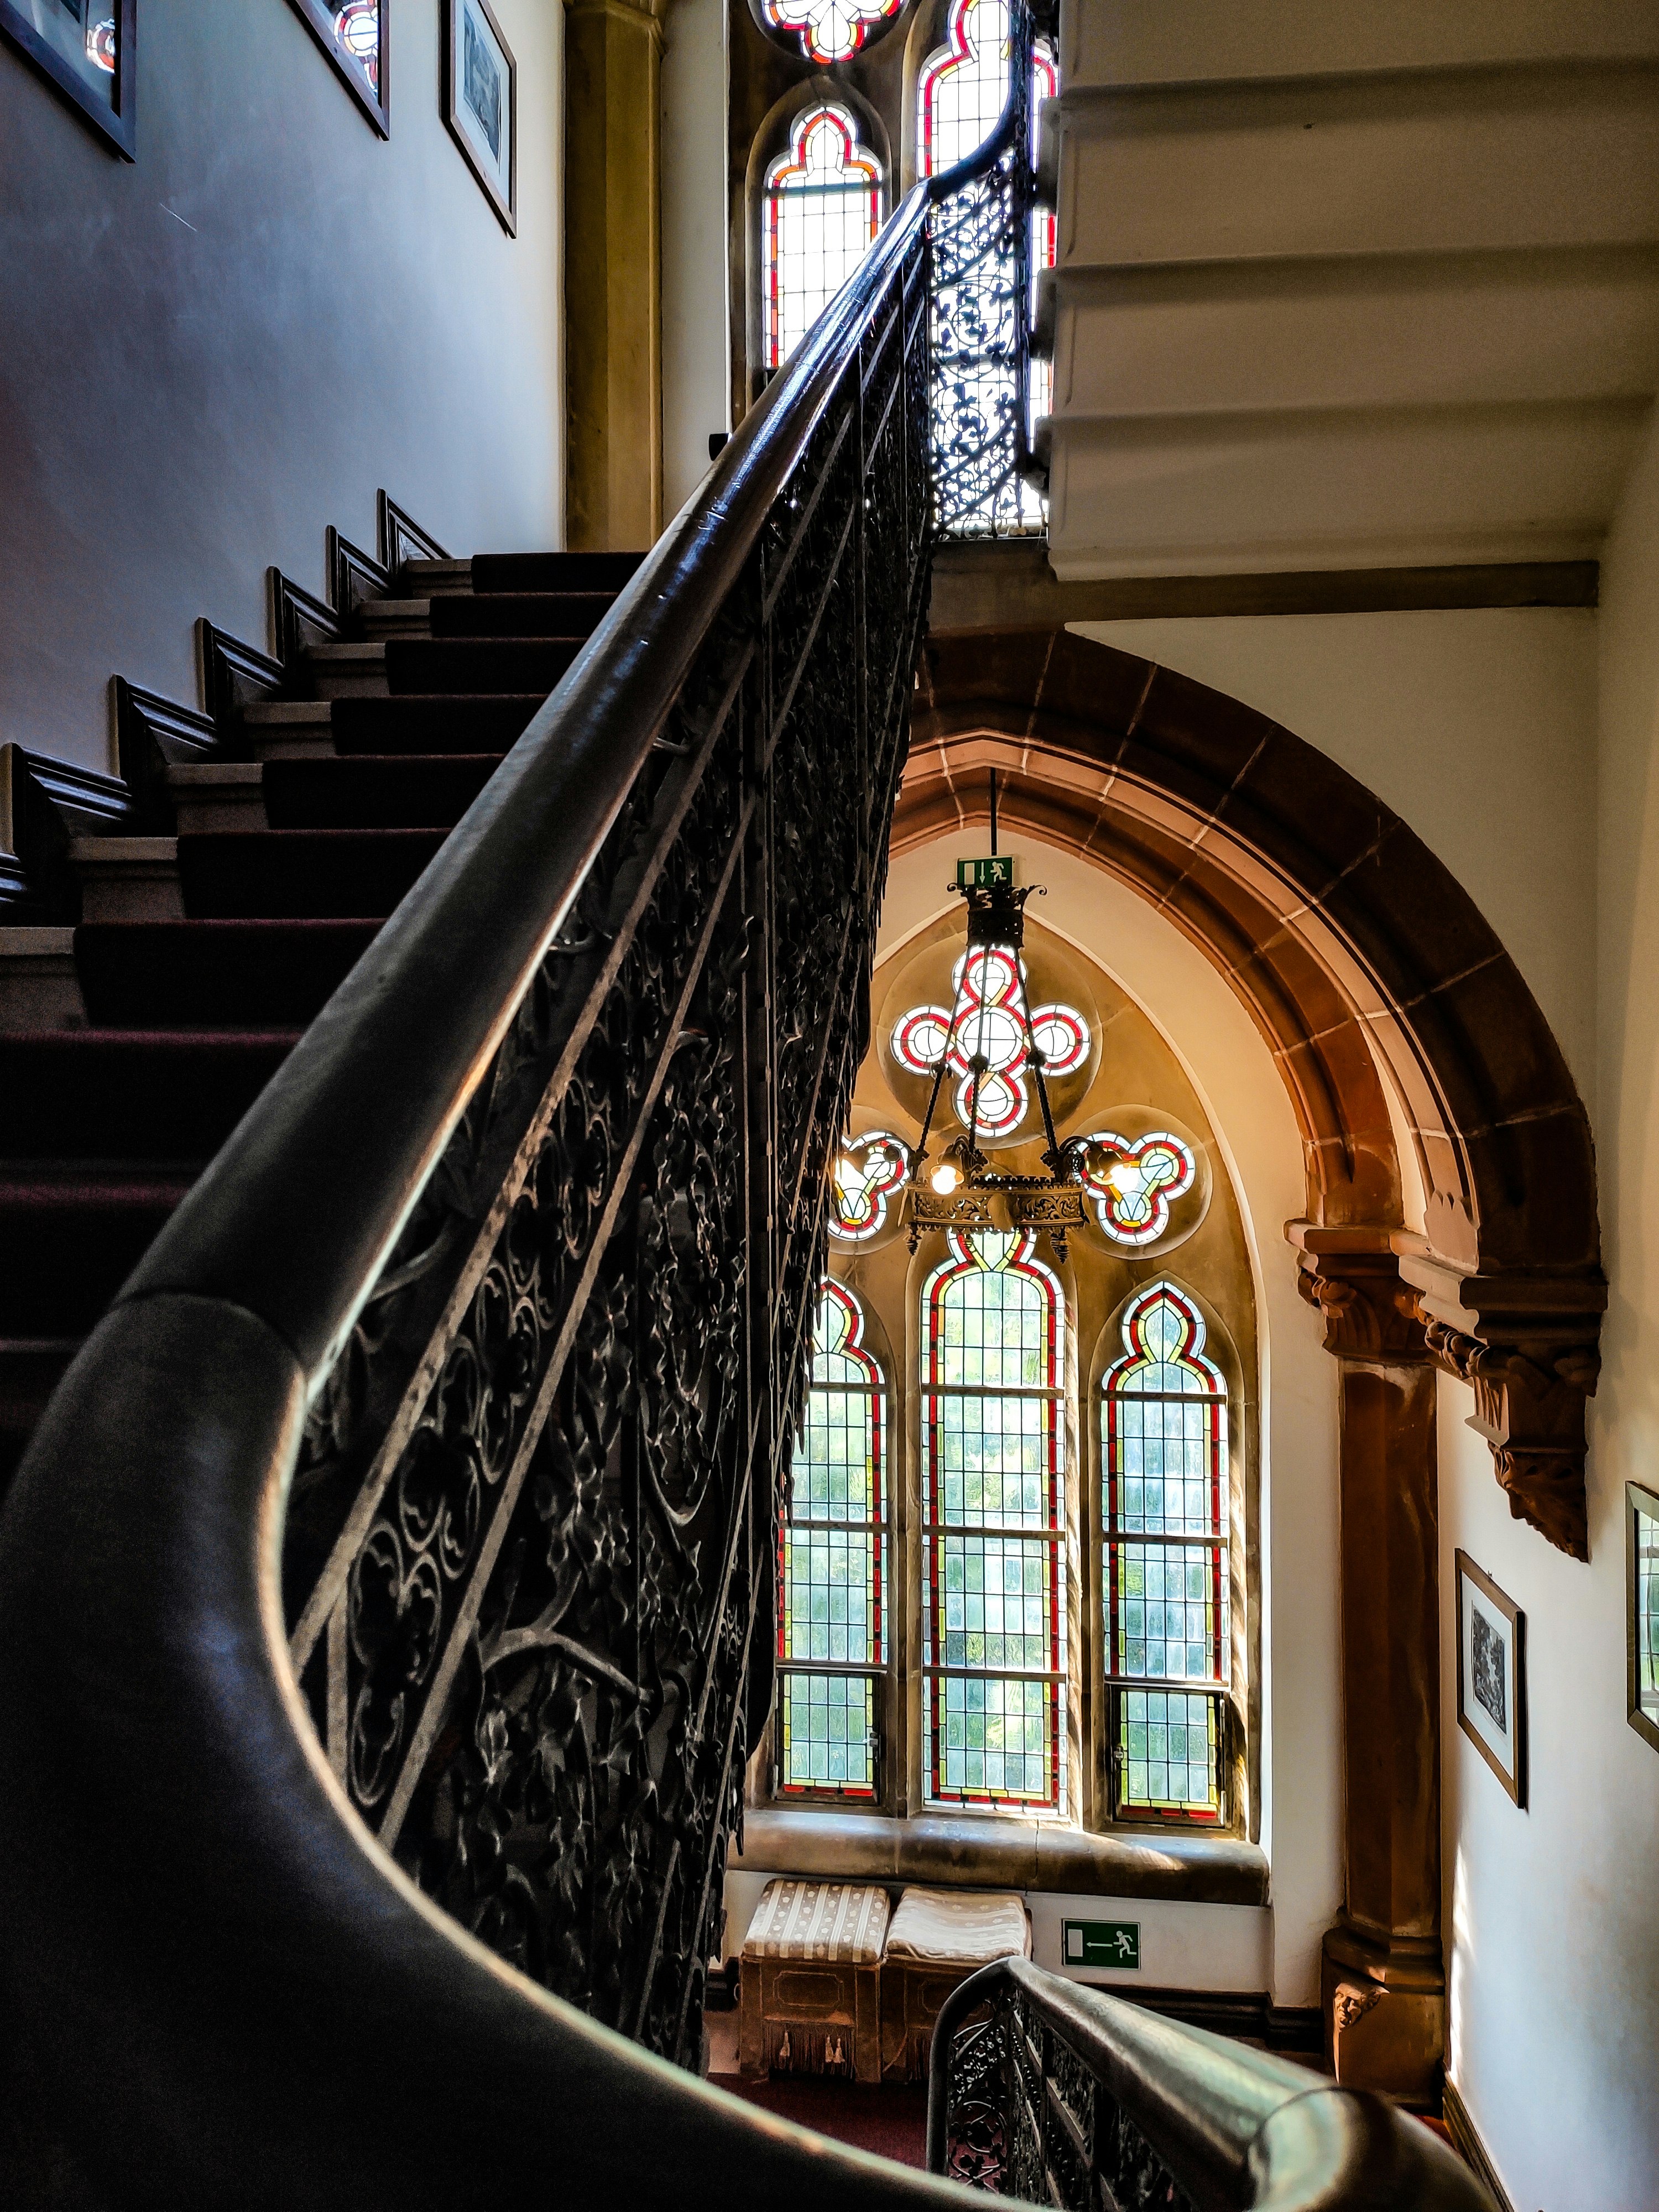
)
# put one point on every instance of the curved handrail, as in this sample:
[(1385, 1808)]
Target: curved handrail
[(1232, 2126), (225, 1989)]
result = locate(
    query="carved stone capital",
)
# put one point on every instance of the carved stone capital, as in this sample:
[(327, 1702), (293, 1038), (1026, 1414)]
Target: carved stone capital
[(1352, 1277), (1528, 1348)]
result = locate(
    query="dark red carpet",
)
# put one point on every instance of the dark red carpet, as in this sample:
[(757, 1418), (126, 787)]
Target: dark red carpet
[(892, 2122)]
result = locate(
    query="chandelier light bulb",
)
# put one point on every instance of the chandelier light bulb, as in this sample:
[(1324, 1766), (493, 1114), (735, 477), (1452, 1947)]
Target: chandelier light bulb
[(945, 1178)]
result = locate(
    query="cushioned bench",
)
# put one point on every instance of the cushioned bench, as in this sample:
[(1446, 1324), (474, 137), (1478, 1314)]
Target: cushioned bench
[(938, 1938), (809, 1980)]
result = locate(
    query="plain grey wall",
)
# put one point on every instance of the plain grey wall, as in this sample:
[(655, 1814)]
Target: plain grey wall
[(208, 355)]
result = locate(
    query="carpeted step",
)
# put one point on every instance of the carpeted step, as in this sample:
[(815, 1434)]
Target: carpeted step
[(288, 875), (370, 790), (477, 664), (71, 1238), (215, 974), (553, 572), (130, 1094), (519, 614), (445, 724)]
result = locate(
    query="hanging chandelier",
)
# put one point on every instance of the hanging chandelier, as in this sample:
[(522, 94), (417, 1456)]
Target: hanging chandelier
[(995, 1052)]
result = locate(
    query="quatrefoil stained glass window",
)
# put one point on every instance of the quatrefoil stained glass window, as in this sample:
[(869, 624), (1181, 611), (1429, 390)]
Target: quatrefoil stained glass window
[(989, 989), (829, 30), (823, 208)]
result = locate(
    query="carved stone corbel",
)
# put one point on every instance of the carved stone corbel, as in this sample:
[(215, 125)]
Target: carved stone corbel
[(1528, 1347), (1352, 1277)]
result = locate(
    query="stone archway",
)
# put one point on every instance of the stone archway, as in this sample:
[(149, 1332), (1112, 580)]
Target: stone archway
[(1362, 960)]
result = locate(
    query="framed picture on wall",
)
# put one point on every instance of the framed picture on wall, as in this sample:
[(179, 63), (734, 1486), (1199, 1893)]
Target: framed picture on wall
[(481, 102), (1492, 1675), (353, 34), (87, 50), (1642, 1609)]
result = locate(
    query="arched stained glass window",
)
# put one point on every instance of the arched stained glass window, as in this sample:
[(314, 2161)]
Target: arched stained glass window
[(829, 30), (994, 1518), (1163, 1462), (822, 209), (832, 1566)]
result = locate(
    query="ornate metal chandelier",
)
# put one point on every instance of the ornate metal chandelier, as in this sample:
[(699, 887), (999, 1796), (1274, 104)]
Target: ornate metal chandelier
[(998, 1052)]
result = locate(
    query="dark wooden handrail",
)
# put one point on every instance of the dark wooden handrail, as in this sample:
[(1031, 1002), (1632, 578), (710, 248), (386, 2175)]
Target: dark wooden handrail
[(1230, 2126)]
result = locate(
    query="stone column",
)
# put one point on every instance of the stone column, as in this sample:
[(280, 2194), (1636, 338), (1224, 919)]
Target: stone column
[(1384, 1984), (612, 274)]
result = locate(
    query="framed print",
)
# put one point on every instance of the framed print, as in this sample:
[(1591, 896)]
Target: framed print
[(89, 50), (353, 34), (1492, 1675), (1642, 1610), (481, 102)]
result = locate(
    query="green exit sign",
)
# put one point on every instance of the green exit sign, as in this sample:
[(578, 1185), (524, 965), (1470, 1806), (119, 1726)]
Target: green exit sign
[(1102, 1943), (981, 875)]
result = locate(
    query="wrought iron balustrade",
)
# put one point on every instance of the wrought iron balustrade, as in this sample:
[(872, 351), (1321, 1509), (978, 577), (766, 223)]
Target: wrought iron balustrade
[(1058, 2094)]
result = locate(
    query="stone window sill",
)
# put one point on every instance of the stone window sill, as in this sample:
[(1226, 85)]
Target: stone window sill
[(991, 1853)]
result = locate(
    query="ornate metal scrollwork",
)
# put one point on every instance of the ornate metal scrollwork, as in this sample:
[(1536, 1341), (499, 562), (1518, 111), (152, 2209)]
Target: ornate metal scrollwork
[(534, 1519), (1027, 2117)]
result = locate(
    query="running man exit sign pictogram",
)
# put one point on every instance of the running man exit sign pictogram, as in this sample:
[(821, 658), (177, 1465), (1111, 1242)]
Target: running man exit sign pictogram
[(1102, 1943), (981, 875)]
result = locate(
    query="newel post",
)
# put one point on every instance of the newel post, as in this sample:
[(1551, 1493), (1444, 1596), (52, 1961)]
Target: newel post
[(1383, 1983)]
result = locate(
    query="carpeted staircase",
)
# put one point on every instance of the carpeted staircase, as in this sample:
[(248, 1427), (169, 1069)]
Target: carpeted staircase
[(222, 946)]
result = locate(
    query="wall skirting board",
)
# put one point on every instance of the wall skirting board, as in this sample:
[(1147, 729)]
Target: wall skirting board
[(1466, 2138), (44, 802)]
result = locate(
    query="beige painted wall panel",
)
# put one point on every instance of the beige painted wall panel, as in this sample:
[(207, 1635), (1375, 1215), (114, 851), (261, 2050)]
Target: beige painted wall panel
[(1321, 489), (1544, 158), (1477, 727), (210, 356), (1247, 1104), (1357, 331), (695, 364), (1126, 42)]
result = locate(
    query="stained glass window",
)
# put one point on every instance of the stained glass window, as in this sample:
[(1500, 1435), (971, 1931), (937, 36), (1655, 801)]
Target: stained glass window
[(988, 984), (829, 30), (1142, 1179), (960, 96), (833, 1566), (1643, 1603), (357, 26), (822, 207), (867, 1174), (1163, 1461), (994, 1594)]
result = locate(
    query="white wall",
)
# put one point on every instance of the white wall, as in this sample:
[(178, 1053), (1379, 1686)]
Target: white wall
[(209, 354), (1554, 1913), (1200, 1945), (1478, 728), (695, 358)]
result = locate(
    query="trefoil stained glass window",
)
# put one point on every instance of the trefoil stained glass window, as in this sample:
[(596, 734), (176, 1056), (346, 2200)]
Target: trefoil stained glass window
[(833, 1567), (1141, 1181), (868, 1174), (829, 30), (1164, 1485), (822, 209), (994, 1521)]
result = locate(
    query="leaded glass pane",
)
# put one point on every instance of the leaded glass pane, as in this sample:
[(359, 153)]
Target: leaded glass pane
[(829, 30), (1168, 1753), (829, 1732), (822, 209), (994, 1600), (1644, 1567), (832, 1561)]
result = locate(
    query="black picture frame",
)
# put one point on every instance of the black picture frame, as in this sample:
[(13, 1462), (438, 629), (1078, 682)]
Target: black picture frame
[(1640, 1504), (505, 205), (375, 103), (116, 123), (1478, 1596)]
